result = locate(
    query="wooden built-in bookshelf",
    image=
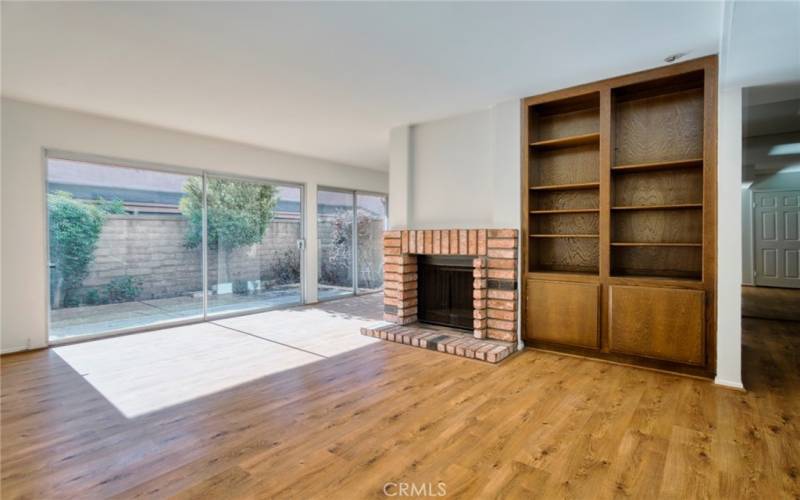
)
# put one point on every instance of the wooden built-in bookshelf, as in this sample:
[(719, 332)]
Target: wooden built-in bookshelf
[(619, 181)]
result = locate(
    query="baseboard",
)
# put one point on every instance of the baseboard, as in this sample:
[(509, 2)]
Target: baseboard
[(729, 384)]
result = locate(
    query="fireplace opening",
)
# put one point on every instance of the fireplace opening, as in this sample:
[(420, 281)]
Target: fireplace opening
[(445, 286)]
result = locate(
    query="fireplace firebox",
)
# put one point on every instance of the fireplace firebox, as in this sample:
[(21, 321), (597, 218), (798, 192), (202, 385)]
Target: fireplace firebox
[(445, 286)]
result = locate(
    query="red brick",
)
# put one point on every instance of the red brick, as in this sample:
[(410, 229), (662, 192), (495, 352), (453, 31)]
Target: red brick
[(453, 242), (478, 324), (479, 283), (400, 259), (398, 268), (428, 245), (501, 253), (501, 335), (478, 313), (391, 234), (407, 311), (472, 242), (391, 242), (503, 274), (437, 242), (499, 324), (404, 242), (479, 273), (503, 294), (479, 333), (479, 294), (504, 315), (502, 243), (479, 262), (445, 242), (502, 233), (390, 276), (481, 242), (462, 242), (391, 251), (407, 294), (503, 305), (502, 264), (412, 242), (479, 304), (420, 241)]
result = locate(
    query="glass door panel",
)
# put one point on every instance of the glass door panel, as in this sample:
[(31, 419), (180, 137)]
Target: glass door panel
[(371, 211), (121, 254), (253, 255), (335, 217)]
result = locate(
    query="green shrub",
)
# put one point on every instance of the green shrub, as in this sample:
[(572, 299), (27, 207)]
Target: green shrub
[(285, 269), (123, 289), (240, 287), (74, 228), (238, 212), (93, 297)]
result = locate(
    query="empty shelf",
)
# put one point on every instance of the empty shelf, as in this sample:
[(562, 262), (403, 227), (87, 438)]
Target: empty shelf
[(566, 142), (660, 207), (565, 187), (654, 244), (567, 211), (659, 165)]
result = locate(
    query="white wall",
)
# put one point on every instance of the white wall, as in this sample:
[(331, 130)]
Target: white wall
[(760, 46), (458, 172), (28, 128)]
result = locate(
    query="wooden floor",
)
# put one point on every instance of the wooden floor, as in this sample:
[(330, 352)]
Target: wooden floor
[(539, 425), (771, 303)]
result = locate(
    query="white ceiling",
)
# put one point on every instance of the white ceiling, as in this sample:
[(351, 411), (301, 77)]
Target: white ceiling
[(328, 80)]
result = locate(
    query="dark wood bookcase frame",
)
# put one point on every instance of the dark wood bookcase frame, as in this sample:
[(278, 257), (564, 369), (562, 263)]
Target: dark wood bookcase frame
[(619, 206)]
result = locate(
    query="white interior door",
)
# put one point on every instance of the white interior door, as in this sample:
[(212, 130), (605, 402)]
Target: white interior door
[(777, 238)]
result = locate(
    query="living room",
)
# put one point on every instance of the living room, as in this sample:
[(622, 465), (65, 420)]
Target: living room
[(367, 249)]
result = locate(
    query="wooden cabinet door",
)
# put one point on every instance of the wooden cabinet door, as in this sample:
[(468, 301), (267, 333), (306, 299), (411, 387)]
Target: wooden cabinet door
[(563, 313), (659, 323)]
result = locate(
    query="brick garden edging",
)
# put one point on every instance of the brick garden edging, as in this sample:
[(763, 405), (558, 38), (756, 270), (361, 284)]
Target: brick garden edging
[(494, 271)]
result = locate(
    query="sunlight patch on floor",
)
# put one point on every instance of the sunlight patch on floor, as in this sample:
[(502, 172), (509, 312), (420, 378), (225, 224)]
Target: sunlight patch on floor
[(314, 330), (147, 372)]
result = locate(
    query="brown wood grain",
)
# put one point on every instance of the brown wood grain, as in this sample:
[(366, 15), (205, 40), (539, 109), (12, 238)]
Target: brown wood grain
[(659, 128), (565, 254), (660, 323), (667, 226), (664, 187), (539, 425), (565, 313), (580, 223), (656, 219), (565, 166)]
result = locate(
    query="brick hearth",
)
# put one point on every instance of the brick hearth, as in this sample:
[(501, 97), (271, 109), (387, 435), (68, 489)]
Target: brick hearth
[(494, 270), (442, 339)]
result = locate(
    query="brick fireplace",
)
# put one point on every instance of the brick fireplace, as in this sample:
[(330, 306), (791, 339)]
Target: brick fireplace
[(494, 283)]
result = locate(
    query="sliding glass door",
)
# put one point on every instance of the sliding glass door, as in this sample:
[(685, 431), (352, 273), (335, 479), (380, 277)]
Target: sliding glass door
[(335, 218), (371, 213), (350, 234), (119, 257), (253, 253), (132, 248)]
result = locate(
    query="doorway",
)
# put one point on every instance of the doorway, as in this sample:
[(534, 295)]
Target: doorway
[(776, 238)]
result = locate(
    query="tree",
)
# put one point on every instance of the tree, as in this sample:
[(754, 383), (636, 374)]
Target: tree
[(238, 213), (74, 229)]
